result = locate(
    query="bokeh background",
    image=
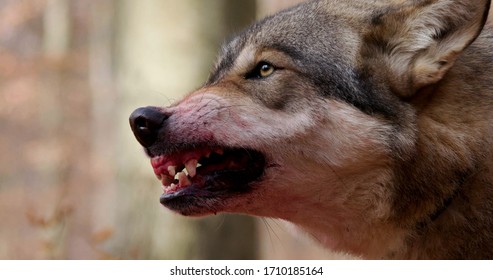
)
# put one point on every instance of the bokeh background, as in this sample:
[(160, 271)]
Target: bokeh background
[(74, 183)]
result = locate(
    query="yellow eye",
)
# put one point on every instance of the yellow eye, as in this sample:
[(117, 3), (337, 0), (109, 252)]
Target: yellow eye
[(265, 70), (262, 70)]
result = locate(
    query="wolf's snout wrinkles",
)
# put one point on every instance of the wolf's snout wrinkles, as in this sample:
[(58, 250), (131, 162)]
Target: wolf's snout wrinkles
[(146, 123)]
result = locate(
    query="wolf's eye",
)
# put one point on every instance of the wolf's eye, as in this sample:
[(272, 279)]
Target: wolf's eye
[(266, 70), (262, 70)]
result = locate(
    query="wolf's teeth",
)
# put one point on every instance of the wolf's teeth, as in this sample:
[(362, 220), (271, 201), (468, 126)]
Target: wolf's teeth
[(191, 167), (172, 187), (172, 170), (183, 180)]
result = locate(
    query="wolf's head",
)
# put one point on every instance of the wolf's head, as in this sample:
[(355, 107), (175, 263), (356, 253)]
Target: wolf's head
[(307, 113)]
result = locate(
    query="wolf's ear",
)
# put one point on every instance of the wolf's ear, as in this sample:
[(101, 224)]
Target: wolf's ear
[(420, 41)]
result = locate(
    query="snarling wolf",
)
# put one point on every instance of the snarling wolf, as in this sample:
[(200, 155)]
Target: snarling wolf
[(367, 123)]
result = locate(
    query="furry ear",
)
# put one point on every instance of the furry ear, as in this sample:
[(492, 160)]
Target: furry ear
[(420, 40)]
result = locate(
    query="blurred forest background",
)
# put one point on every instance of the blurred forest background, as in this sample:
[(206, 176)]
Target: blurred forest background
[(74, 183)]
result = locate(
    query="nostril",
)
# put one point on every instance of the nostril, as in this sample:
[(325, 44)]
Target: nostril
[(141, 123), (146, 123)]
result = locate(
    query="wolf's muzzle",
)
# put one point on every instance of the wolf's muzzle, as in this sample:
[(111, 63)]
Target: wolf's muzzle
[(146, 122)]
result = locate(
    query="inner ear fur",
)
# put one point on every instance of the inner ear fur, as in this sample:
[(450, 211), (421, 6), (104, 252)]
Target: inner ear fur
[(418, 42)]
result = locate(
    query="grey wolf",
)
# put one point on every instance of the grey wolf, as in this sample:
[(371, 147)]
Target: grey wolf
[(368, 124)]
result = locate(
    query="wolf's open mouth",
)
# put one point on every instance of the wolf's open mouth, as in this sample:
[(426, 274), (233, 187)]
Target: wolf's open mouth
[(206, 171)]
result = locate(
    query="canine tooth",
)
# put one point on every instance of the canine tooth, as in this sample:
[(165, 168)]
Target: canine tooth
[(191, 167), (172, 170), (183, 179), (172, 187)]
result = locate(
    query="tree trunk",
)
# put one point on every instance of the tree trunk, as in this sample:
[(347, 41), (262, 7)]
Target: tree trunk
[(56, 23)]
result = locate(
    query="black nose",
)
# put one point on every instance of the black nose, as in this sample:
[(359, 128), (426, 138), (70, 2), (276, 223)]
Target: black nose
[(146, 123)]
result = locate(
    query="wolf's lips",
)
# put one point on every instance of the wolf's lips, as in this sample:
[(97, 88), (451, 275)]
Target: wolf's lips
[(206, 171)]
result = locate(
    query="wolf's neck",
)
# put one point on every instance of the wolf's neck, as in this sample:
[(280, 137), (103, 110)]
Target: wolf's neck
[(354, 219)]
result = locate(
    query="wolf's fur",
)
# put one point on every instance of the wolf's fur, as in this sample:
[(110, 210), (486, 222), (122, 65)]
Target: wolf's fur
[(377, 126)]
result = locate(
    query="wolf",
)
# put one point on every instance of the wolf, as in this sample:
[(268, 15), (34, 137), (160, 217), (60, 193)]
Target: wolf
[(366, 123)]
